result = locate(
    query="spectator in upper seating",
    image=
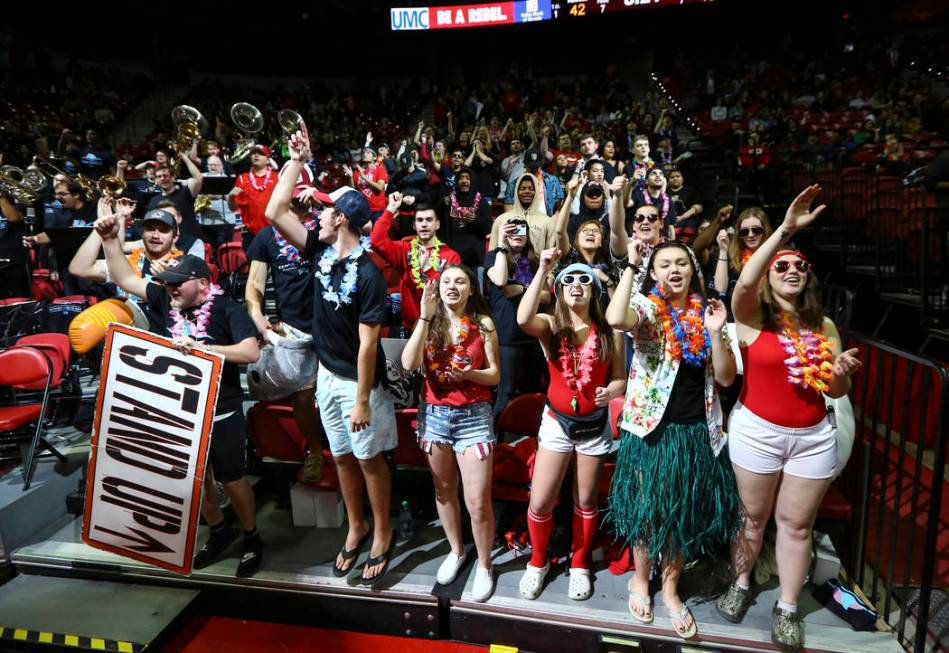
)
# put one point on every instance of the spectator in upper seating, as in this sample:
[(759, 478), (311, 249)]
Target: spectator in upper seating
[(640, 164), (370, 178), (664, 153), (894, 159), (412, 181), (416, 259), (719, 112), (510, 268), (609, 157), (182, 195), (665, 128), (685, 200), (513, 165), (447, 172), (547, 186), (466, 220), (483, 160), (215, 154)]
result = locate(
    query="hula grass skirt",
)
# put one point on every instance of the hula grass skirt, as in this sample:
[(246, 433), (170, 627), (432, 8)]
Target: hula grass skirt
[(672, 495)]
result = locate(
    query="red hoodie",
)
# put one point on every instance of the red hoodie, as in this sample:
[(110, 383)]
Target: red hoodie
[(396, 254)]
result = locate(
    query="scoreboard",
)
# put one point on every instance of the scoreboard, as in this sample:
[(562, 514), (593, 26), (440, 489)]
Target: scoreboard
[(515, 12)]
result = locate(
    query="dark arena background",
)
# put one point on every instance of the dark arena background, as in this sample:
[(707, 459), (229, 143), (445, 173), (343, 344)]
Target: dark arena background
[(160, 134)]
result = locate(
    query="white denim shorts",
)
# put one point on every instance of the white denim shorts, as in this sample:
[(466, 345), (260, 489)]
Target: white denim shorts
[(335, 398), (551, 437), (765, 448)]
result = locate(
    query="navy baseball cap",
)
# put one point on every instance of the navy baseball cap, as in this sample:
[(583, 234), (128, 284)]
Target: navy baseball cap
[(183, 268), (350, 202), (161, 215)]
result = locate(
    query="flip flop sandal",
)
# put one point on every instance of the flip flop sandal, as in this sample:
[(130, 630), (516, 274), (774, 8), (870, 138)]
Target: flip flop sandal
[(643, 602), (349, 554), (379, 559), (683, 616)]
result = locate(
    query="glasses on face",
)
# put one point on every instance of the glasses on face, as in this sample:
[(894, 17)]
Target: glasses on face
[(457, 156), (583, 279), (783, 266), (639, 217), (750, 231), (590, 232)]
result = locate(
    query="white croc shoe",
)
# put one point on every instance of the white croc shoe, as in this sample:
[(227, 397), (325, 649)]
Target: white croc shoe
[(448, 570), (533, 581), (483, 586), (581, 586)]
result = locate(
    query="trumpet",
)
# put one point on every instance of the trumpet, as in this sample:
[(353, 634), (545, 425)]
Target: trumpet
[(249, 120), (111, 186), (21, 186), (86, 185)]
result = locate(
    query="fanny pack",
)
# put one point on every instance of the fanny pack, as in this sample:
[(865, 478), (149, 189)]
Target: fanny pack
[(582, 427)]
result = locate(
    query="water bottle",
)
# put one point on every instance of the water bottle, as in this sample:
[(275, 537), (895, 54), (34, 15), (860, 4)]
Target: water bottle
[(406, 527)]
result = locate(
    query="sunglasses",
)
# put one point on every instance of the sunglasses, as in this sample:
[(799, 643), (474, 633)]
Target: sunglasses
[(595, 193), (583, 279), (750, 231), (783, 266), (652, 217)]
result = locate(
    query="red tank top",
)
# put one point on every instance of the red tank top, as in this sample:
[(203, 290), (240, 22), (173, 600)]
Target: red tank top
[(559, 395), (766, 391), (464, 393)]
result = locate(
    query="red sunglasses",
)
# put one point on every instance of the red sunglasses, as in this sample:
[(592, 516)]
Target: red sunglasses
[(783, 266)]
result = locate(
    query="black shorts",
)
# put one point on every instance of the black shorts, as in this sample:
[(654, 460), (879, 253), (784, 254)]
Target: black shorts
[(228, 447)]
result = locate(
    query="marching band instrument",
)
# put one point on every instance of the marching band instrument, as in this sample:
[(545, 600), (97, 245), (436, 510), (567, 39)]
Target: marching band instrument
[(249, 120)]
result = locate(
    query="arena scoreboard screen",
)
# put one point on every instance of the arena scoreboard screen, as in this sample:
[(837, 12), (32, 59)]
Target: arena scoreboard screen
[(511, 13)]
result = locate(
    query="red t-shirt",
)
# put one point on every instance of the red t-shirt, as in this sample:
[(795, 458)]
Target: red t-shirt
[(375, 172), (396, 254), (252, 203), (751, 155), (572, 157), (463, 393)]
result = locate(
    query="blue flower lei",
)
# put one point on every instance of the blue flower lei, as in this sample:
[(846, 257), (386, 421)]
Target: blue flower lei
[(679, 332), (347, 285)]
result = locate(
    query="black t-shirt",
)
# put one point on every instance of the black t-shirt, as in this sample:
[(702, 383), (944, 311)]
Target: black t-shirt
[(682, 199), (81, 217), (184, 200), (336, 341), (639, 199), (12, 251), (292, 278), (687, 401), (504, 309), (229, 325), (95, 161)]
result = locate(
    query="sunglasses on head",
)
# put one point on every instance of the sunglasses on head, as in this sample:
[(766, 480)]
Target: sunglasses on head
[(583, 279), (639, 217), (783, 266), (750, 231)]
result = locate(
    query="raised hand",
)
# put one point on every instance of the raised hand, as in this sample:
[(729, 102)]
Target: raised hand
[(618, 184), (427, 305), (107, 226), (722, 239), (715, 316), (725, 212), (549, 258), (124, 207), (104, 206), (799, 214), (636, 249), (846, 363), (299, 144), (573, 185), (395, 201)]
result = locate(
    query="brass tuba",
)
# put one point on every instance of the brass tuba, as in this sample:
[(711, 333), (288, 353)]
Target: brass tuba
[(202, 203), (21, 186), (249, 120), (290, 122), (86, 185), (188, 123)]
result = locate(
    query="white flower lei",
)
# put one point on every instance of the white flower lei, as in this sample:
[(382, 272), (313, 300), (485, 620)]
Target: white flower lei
[(348, 283)]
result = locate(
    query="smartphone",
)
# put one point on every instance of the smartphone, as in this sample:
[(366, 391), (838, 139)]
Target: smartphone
[(521, 230)]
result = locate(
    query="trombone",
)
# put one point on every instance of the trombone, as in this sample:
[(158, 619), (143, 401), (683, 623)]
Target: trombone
[(86, 185), (21, 186), (249, 120)]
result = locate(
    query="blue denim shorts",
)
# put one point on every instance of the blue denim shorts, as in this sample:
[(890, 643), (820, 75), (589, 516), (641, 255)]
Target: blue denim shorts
[(459, 427)]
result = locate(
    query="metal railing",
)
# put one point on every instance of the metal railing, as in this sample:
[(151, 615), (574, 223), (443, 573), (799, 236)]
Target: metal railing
[(899, 401)]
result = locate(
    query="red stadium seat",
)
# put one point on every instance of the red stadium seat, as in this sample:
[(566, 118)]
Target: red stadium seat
[(522, 415)]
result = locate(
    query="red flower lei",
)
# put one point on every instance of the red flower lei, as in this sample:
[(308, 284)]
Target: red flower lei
[(439, 360), (810, 357), (746, 254), (691, 319), (577, 367)]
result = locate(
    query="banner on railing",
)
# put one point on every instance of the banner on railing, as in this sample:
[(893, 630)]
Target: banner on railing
[(154, 414)]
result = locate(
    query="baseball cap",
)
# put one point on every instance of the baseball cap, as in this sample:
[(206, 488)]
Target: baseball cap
[(181, 269), (533, 159), (163, 216), (263, 149), (350, 202)]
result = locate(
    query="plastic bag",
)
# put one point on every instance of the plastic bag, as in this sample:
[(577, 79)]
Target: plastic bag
[(286, 364)]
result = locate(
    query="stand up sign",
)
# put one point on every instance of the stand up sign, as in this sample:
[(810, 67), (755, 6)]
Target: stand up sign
[(149, 448)]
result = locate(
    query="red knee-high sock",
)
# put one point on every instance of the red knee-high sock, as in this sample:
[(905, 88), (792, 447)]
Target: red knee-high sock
[(539, 527), (585, 523)]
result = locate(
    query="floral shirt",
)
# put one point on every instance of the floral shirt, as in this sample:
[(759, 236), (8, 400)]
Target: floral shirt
[(652, 374)]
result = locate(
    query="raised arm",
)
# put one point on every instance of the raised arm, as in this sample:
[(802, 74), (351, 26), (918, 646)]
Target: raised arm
[(619, 239), (527, 318), (707, 236), (278, 208), (107, 227), (197, 179), (721, 266), (563, 215), (619, 314), (382, 243), (798, 216), (414, 353)]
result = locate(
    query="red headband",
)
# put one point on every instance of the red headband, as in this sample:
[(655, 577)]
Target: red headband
[(785, 252)]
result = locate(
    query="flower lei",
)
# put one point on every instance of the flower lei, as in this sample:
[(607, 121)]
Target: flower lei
[(182, 326), (665, 203), (287, 250), (348, 283), (463, 212), (414, 265), (648, 164), (810, 359), (746, 254), (682, 326), (576, 368), (438, 360), (253, 179)]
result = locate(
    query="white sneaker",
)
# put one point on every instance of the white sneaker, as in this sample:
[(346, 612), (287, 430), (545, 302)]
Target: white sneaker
[(533, 581), (483, 586), (580, 587), (448, 570)]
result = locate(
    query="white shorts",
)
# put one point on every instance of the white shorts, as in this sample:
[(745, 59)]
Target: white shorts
[(551, 437), (335, 397), (765, 448)]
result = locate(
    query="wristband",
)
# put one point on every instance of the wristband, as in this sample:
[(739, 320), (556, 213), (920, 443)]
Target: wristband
[(425, 319), (722, 259)]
